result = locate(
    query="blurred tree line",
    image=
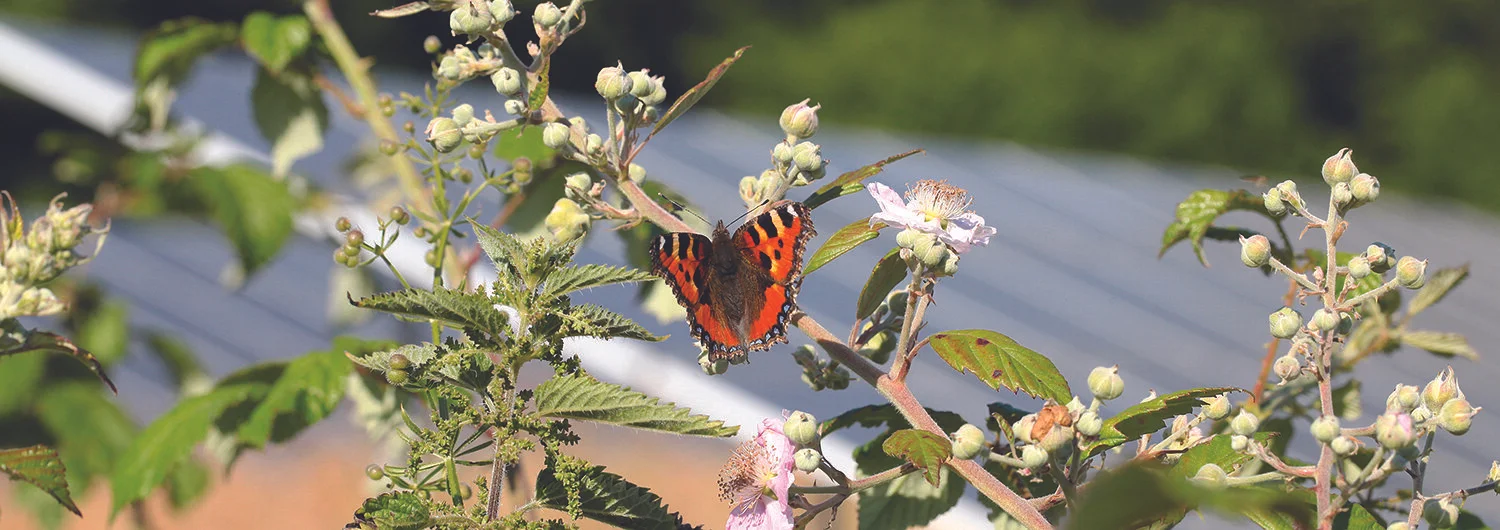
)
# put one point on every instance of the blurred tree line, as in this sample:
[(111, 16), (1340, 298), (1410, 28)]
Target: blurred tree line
[(1270, 86)]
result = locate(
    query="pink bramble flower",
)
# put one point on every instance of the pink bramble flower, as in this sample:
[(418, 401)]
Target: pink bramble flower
[(755, 480), (933, 207)]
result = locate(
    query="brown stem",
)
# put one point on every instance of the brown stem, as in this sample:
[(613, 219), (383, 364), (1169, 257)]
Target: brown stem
[(350, 105)]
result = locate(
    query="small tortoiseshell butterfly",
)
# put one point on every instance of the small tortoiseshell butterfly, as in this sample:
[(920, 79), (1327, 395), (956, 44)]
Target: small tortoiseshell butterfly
[(739, 290)]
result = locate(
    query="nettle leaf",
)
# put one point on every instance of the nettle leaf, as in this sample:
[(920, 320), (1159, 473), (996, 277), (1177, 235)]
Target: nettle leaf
[(1440, 343), (1438, 285), (508, 253), (309, 389), (888, 273), (607, 498), (395, 511), (691, 97), (572, 279), (841, 242), (254, 210), (275, 41), (923, 449), (418, 354), (1151, 416), (886, 415), (581, 397), (907, 501), (169, 440), (1196, 214), (460, 309), (15, 339), (852, 181), (39, 466), (290, 113), (589, 320), (999, 361)]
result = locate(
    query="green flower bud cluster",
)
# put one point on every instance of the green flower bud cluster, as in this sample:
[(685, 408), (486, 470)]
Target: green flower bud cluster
[(477, 18), (818, 373), (31, 258), (926, 250), (1381, 257), (447, 134), (794, 161)]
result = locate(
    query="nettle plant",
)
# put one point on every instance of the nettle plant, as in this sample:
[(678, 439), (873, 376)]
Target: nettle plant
[(559, 175)]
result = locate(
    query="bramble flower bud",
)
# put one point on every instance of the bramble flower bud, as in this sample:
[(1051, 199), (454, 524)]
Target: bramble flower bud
[(1339, 168), (950, 264), (1239, 444), (567, 221), (1366, 188), (502, 11), (800, 120), (515, 107), (896, 300), (1420, 414), (1344, 445), (1342, 195), (838, 379), (507, 81), (432, 44), (1326, 429), (1324, 320), (782, 153), (470, 20), (1494, 475), (1023, 427), (1075, 406), (1394, 430), (1381, 256), (967, 442), (1217, 407), (1440, 390), (1273, 203), (807, 459), (1404, 397), (1255, 251), (1211, 477), (713, 366), (1033, 457), (1244, 424), (1398, 525), (612, 83), (1456, 416), (593, 144), (749, 192), (555, 135), (1106, 383), (908, 238), (463, 114), (1441, 513), (640, 83), (1089, 423), (1288, 190), (657, 96), (801, 428), (636, 173), (1411, 272), (1287, 367), (930, 252), (807, 156), (1359, 267), (579, 181), (547, 15), (627, 104), (1285, 323), (878, 349), (444, 135)]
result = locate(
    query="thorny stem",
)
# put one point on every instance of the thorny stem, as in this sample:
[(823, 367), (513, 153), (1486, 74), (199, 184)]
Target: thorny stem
[(1418, 471), (1323, 479), (1300, 278), (916, 305)]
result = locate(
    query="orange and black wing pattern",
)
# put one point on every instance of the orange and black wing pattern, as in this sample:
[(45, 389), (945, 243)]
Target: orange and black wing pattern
[(773, 242), (682, 258)]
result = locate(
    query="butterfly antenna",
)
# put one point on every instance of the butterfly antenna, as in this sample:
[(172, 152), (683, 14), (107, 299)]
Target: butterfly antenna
[(679, 207), (747, 212)]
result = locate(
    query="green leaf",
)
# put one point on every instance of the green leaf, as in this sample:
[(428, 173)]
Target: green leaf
[(309, 389), (275, 41), (460, 309), (907, 501), (841, 242), (170, 50), (999, 361), (290, 113), (253, 209), (1440, 343), (1346, 400), (1358, 518), (89, 429), (1130, 496), (19, 377), (39, 466), (1217, 451), (1151, 416), (409, 8), (888, 273), (169, 440), (589, 320), (539, 87), (1197, 213), (186, 483), (923, 449), (1438, 285), (691, 97), (508, 253), (886, 415), (605, 497), (581, 397), (395, 511), (15, 339), (852, 181), (105, 331), (571, 279), (176, 356)]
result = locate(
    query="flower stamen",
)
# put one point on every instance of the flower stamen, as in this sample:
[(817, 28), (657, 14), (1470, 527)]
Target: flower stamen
[(938, 200)]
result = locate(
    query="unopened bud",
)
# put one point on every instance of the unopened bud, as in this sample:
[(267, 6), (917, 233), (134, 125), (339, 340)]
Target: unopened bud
[(657, 96), (432, 44), (807, 459), (567, 221), (1285, 323), (1217, 407), (1381, 256), (801, 428), (968, 442), (1326, 429), (1456, 416), (1420, 414), (1244, 424), (878, 349), (1344, 445), (1255, 251), (1394, 430), (1089, 423), (1411, 272), (1339, 168), (1288, 190), (1239, 443), (556, 135), (1033, 457), (546, 15), (612, 83), (1105, 383), (470, 19), (782, 153), (507, 81), (1359, 267), (502, 11), (1211, 477), (1023, 428), (800, 120), (463, 114), (807, 156), (578, 181), (515, 107), (1324, 320), (1366, 188), (1273, 203), (712, 366), (444, 135), (1342, 195), (1404, 398), (1440, 390), (636, 172), (1441, 513), (1287, 367)]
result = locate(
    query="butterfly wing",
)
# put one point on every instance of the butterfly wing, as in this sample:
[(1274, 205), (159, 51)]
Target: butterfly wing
[(682, 259), (772, 244)]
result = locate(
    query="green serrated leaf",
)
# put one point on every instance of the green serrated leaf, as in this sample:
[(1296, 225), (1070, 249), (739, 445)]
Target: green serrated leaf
[(888, 273), (691, 97), (906, 501), (1196, 214), (1440, 343), (507, 253), (15, 339), (1357, 518), (290, 113), (589, 320), (170, 439), (999, 361), (309, 389), (607, 498), (923, 449), (186, 483), (254, 210), (582, 397), (852, 181), (1151, 416), (841, 242), (275, 41), (1438, 285), (395, 511), (460, 309), (571, 279), (39, 466), (1216, 451)]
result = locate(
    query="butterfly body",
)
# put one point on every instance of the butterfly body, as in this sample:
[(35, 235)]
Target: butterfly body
[(739, 289)]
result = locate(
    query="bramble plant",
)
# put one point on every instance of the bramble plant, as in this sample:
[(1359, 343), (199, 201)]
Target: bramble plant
[(560, 175)]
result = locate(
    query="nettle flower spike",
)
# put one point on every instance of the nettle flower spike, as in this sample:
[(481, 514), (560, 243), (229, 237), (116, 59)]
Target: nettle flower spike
[(756, 478), (933, 207)]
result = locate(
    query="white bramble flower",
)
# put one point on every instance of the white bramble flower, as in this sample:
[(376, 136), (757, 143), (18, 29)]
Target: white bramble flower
[(933, 207)]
